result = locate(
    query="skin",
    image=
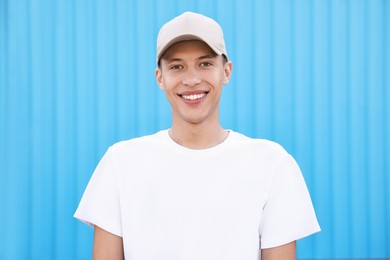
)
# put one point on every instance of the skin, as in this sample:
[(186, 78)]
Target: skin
[(107, 246), (190, 67), (284, 252)]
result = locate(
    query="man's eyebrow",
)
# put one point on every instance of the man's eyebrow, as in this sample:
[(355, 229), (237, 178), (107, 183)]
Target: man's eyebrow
[(208, 56), (174, 59)]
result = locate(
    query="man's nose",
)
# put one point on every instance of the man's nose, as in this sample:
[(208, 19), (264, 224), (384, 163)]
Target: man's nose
[(191, 78)]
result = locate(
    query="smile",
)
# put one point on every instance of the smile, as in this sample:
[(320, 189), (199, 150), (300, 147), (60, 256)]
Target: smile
[(194, 96)]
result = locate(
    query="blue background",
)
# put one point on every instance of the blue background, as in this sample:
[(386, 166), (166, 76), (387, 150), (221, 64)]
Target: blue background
[(77, 76)]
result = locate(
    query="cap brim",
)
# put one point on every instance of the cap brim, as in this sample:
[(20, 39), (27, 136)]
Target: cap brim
[(186, 37)]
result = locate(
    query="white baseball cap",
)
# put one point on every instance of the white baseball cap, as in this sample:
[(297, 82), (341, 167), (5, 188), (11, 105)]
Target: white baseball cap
[(191, 26)]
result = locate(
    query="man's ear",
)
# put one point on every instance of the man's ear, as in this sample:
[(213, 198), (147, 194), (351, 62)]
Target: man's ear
[(159, 78), (227, 71)]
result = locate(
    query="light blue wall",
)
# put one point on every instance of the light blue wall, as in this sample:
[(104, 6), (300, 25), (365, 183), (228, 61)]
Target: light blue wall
[(77, 76)]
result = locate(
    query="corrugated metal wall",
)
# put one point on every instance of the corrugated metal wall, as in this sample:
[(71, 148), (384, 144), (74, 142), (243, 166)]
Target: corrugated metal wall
[(76, 76)]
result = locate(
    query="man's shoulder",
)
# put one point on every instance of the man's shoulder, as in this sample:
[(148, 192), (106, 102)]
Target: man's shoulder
[(141, 141), (258, 145)]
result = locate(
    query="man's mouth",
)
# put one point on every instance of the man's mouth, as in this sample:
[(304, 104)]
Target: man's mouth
[(194, 96)]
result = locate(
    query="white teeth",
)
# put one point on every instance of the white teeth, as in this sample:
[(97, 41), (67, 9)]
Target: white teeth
[(193, 97)]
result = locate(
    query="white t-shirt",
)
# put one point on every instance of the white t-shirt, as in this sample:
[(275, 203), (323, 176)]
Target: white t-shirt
[(226, 202)]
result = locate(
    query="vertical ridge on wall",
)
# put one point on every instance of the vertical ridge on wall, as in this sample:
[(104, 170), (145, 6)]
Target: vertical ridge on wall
[(366, 132), (124, 76), (243, 69), (105, 85), (3, 116), (322, 164), (66, 116), (17, 144), (386, 98), (146, 61), (136, 77), (252, 72), (339, 130), (271, 85), (29, 120), (377, 202), (262, 54), (303, 96), (292, 82), (85, 147), (227, 20), (366, 139), (348, 125), (300, 19), (43, 129), (358, 135), (282, 73)]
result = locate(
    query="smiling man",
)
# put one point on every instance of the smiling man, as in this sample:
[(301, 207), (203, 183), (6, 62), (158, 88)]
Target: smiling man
[(196, 191)]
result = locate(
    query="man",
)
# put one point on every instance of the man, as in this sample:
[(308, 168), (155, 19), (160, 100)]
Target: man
[(196, 191)]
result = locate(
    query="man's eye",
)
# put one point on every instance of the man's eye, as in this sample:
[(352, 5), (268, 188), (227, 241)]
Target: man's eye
[(206, 64), (176, 67)]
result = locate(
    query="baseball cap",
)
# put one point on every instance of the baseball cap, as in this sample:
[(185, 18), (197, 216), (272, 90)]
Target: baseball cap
[(191, 26)]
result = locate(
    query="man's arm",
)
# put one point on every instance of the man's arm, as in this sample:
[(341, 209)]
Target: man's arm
[(285, 252), (107, 245)]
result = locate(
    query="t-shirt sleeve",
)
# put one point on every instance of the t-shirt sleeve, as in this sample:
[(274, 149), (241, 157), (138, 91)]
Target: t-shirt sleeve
[(288, 214), (100, 204)]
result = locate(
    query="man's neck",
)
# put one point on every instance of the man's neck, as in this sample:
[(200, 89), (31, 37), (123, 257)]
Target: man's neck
[(198, 136)]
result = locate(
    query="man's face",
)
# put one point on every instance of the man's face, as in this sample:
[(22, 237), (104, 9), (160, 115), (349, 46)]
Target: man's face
[(192, 75)]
